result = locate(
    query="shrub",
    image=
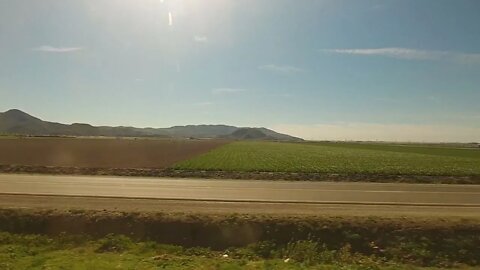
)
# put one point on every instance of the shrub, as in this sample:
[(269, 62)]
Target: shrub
[(305, 251), (199, 251), (264, 249), (114, 243)]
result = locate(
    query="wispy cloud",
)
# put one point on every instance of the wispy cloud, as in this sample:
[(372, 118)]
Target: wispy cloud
[(434, 99), (281, 68), (227, 90), (203, 104), (389, 100), (378, 7), (411, 54), (51, 49), (200, 39), (285, 95)]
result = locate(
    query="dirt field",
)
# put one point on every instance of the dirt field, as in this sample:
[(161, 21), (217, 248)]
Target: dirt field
[(101, 153)]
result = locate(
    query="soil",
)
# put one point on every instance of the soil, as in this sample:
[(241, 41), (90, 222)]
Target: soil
[(100, 153)]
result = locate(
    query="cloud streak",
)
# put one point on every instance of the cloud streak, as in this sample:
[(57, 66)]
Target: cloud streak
[(227, 90), (410, 54), (51, 49), (200, 39), (281, 68), (203, 104)]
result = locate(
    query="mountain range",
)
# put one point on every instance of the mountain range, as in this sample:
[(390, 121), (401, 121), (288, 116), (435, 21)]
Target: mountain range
[(16, 122)]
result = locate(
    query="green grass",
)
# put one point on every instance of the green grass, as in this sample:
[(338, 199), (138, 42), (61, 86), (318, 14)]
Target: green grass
[(340, 158), (119, 252)]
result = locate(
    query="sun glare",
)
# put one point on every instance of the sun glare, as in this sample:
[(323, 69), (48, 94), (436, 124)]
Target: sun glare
[(170, 19)]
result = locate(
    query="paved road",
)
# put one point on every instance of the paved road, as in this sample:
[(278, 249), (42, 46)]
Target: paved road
[(244, 190)]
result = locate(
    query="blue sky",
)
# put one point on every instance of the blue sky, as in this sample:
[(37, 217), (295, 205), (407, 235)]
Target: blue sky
[(390, 70)]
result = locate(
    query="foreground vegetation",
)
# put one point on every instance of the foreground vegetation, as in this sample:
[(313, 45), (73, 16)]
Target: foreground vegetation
[(359, 243), (120, 252), (337, 158)]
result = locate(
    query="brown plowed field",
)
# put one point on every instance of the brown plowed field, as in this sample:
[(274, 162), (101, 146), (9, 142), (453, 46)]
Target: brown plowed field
[(101, 153)]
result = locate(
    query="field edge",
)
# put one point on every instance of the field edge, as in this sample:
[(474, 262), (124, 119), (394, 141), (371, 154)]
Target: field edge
[(244, 175)]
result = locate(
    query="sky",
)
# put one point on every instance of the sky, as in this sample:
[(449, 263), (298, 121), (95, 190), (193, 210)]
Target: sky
[(397, 70)]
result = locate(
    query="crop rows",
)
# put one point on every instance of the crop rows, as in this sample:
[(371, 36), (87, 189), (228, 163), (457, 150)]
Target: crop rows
[(324, 158)]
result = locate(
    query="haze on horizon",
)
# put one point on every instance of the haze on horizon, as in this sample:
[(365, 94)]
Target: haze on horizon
[(395, 70)]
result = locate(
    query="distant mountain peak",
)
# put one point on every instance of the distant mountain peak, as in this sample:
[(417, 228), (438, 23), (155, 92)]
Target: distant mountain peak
[(14, 111), (248, 133), (18, 122), (81, 125), (18, 115)]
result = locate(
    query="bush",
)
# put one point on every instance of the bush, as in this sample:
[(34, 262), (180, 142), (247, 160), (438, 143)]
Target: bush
[(6, 238), (264, 249), (327, 256), (199, 251), (114, 243), (65, 240), (169, 249), (305, 251)]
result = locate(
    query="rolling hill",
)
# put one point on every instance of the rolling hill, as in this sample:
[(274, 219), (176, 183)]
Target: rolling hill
[(16, 122)]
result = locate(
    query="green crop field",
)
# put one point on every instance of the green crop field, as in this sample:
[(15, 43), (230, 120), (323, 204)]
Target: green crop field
[(341, 158), (438, 150)]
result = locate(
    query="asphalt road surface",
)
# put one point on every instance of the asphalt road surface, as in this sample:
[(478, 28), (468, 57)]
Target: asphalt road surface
[(236, 195)]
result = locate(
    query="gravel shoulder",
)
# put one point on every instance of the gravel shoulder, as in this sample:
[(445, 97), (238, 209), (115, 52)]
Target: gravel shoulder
[(35, 202)]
